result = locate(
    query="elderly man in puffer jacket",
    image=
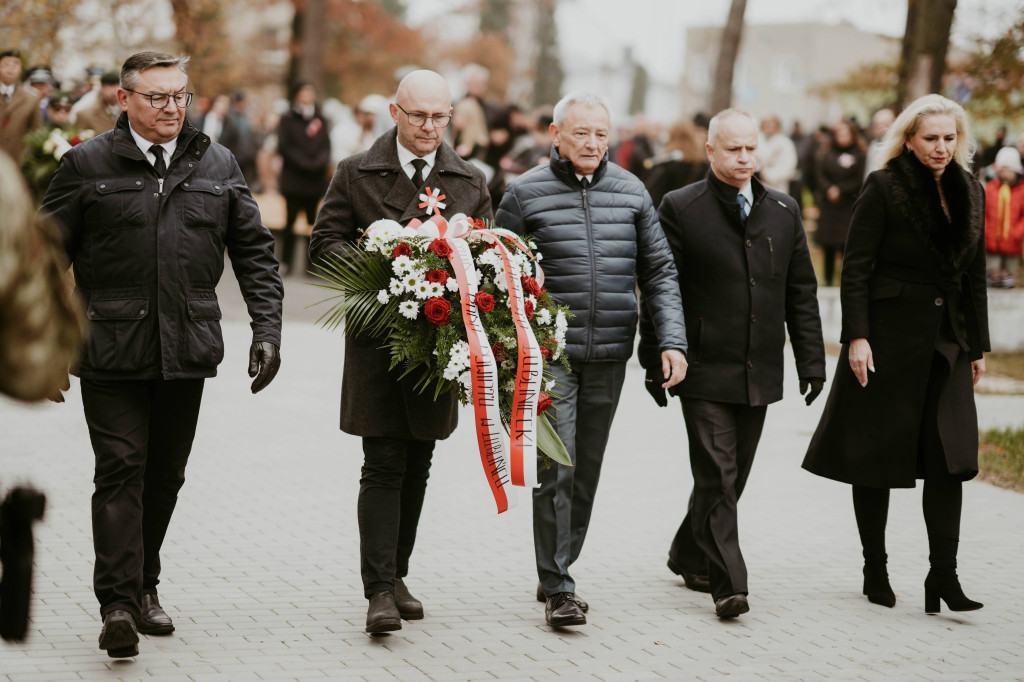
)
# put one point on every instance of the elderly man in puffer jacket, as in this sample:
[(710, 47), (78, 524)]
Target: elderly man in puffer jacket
[(598, 233)]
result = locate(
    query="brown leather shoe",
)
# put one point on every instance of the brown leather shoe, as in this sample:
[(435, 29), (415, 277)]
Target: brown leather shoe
[(383, 615), (154, 620), (561, 609), (119, 637), (409, 606), (541, 597), (731, 606)]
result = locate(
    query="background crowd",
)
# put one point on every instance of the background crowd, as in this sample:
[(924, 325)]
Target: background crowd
[(288, 149)]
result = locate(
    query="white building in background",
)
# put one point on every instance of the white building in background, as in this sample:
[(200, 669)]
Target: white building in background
[(778, 65)]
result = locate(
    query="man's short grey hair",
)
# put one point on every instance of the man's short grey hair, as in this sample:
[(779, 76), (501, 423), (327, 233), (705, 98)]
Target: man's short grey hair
[(587, 99), (722, 115), (141, 61)]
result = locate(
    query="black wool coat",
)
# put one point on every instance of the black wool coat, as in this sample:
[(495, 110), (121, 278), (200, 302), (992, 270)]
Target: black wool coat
[(305, 149), (909, 273), (147, 256), (367, 187), (742, 285), (842, 168)]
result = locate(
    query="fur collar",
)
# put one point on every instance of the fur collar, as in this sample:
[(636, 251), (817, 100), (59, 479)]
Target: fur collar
[(915, 192)]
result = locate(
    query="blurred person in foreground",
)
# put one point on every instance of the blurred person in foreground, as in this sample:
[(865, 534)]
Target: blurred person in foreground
[(914, 335), (745, 278), (41, 330), (598, 232), (399, 425), (147, 211)]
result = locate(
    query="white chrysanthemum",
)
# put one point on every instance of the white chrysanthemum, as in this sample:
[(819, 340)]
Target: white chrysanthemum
[(411, 280), (397, 287), (382, 296), (452, 284), (407, 232), (422, 289), (561, 323), (466, 380), (451, 372), (507, 364), (383, 229), (549, 385), (499, 280), (509, 386), (409, 309), (402, 265), (543, 316), (489, 257), (531, 245), (460, 354), (435, 289), (538, 256)]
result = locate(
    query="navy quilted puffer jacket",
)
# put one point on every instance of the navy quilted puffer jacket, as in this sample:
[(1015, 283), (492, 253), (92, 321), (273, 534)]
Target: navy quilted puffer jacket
[(597, 244)]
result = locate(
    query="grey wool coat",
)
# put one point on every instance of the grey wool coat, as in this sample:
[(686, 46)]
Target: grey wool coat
[(371, 186)]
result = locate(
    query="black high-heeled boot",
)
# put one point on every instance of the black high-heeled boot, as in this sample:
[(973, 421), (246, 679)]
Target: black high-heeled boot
[(876, 583), (942, 581)]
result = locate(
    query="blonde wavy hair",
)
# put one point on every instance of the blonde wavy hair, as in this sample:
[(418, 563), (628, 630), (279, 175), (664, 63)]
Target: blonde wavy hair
[(906, 124)]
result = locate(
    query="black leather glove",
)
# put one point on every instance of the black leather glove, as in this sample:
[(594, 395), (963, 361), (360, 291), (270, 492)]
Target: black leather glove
[(815, 384), (653, 384), (264, 361)]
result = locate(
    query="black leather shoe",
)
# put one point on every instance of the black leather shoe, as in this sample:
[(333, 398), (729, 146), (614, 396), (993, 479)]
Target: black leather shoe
[(154, 620), (409, 606), (119, 637), (731, 606), (561, 609), (541, 597), (383, 615), (694, 581)]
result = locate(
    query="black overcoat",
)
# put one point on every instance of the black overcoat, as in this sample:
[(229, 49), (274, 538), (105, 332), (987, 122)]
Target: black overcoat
[(148, 254), (842, 168), (367, 187), (908, 273), (742, 285), (305, 149)]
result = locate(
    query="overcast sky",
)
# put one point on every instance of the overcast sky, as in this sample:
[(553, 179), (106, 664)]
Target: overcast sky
[(591, 30)]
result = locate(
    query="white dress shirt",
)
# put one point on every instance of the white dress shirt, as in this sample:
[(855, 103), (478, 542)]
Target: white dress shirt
[(405, 158), (147, 147)]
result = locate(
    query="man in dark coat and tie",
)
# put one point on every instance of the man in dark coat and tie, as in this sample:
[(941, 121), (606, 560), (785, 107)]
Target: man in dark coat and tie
[(746, 278), (398, 425)]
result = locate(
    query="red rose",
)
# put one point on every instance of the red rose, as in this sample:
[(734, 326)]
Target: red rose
[(546, 352), (479, 224), (492, 245), (528, 307), (441, 248), (75, 140), (543, 403), (402, 249), (530, 285), (437, 310), (484, 301), (437, 276), (500, 353)]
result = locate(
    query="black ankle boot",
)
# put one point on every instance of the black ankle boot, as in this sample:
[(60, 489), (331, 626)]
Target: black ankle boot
[(946, 586), (942, 581), (876, 585)]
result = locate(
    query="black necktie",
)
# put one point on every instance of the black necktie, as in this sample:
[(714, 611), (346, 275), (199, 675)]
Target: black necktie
[(160, 166), (417, 177)]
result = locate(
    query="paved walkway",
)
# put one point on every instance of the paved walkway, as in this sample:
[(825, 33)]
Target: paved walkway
[(261, 561)]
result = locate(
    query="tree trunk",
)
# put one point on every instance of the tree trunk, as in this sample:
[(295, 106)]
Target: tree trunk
[(309, 38), (721, 93), (547, 88), (200, 32), (925, 43)]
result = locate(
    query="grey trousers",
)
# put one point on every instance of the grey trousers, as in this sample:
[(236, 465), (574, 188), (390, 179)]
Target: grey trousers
[(583, 415)]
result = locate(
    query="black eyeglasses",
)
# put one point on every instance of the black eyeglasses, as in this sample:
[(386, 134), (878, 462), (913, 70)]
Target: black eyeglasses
[(161, 100), (418, 119)]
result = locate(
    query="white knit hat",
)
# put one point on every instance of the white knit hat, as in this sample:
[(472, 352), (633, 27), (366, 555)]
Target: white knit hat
[(1009, 157)]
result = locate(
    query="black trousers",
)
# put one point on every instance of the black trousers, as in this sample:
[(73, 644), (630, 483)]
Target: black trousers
[(565, 499), (295, 204), (391, 491), (141, 434), (723, 438)]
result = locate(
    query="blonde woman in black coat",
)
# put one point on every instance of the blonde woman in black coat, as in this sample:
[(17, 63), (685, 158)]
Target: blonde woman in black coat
[(915, 328)]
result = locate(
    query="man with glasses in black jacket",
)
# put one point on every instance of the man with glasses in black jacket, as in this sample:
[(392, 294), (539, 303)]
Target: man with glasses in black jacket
[(147, 211)]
